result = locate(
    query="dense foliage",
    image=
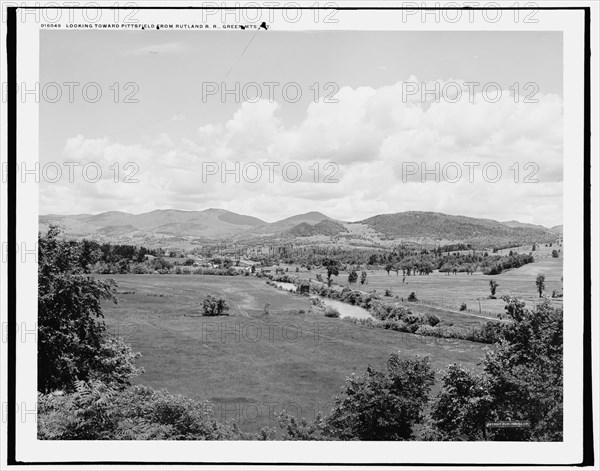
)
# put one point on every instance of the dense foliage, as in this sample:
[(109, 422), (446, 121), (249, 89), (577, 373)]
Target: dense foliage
[(382, 405), (97, 411), (84, 373), (73, 343), (393, 316), (214, 306), (522, 379)]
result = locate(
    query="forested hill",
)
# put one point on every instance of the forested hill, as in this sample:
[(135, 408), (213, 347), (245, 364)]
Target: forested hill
[(439, 226)]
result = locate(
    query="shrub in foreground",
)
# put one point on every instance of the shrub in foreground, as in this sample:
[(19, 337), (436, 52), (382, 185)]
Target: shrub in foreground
[(522, 379), (382, 405), (73, 340), (97, 411)]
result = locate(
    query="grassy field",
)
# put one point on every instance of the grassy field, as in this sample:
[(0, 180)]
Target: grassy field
[(453, 290), (253, 365)]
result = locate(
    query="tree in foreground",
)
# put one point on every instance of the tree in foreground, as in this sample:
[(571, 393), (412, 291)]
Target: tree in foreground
[(73, 341), (363, 277), (97, 411), (352, 277), (522, 380), (382, 405)]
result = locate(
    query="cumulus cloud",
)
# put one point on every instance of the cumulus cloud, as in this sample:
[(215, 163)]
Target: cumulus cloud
[(370, 135)]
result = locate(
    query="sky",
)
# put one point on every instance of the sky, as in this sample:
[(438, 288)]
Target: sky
[(354, 134)]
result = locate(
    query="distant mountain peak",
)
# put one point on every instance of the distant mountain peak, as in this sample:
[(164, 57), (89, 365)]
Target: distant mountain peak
[(215, 224), (327, 227)]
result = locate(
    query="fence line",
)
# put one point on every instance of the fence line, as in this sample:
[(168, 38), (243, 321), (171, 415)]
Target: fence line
[(454, 308)]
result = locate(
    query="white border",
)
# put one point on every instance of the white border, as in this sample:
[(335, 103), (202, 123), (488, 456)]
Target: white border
[(569, 451)]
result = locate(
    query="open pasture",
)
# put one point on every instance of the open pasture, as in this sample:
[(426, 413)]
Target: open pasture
[(453, 290), (252, 365)]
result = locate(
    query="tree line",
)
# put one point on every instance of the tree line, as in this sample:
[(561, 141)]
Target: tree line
[(85, 373)]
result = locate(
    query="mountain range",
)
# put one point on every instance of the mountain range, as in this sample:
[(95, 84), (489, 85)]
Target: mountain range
[(181, 228)]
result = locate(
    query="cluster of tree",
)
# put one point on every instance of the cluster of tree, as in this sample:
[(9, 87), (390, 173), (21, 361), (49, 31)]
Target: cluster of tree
[(112, 253), (388, 315), (416, 265), (118, 258), (507, 262), (95, 257), (73, 341), (159, 264), (401, 318), (214, 306), (419, 324), (489, 264), (426, 263), (178, 270), (317, 255), (406, 259), (522, 379), (354, 278), (347, 295), (84, 378), (377, 405), (381, 405), (223, 262)]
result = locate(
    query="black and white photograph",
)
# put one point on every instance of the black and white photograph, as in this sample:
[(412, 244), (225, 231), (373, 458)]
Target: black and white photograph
[(252, 230)]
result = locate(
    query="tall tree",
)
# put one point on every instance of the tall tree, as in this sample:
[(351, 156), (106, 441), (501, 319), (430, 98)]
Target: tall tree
[(522, 380), (540, 282), (73, 342), (382, 405), (332, 268)]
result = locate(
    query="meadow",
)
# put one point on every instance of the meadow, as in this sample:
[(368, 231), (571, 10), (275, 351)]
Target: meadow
[(255, 362), (473, 290)]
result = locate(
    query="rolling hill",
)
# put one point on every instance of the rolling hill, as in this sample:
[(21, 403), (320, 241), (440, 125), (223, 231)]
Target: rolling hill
[(326, 227), (175, 228), (557, 229), (207, 224), (283, 225), (439, 227), (524, 224)]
